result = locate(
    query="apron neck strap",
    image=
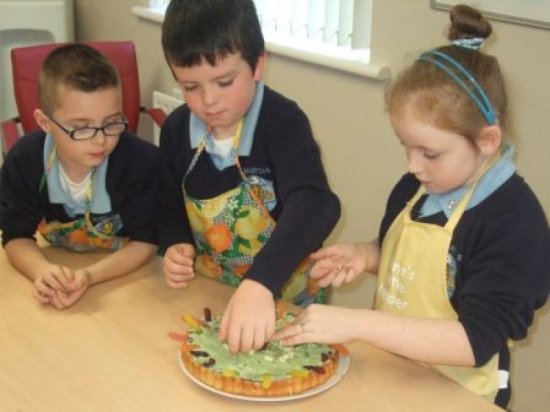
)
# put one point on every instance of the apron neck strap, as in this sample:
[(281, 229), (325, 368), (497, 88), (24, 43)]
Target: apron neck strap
[(463, 204), (234, 149), (52, 156), (236, 143)]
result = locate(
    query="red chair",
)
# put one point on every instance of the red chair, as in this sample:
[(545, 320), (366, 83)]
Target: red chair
[(26, 64)]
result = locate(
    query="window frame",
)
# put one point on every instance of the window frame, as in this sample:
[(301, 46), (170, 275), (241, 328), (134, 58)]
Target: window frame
[(311, 53)]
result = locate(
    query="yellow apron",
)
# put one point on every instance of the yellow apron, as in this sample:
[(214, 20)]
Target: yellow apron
[(231, 228), (412, 281), (81, 234)]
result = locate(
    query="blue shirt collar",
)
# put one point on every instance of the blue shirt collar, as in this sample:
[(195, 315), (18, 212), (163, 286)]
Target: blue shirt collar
[(499, 173), (101, 202), (198, 129)]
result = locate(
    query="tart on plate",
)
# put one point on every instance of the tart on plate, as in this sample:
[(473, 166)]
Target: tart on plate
[(273, 371)]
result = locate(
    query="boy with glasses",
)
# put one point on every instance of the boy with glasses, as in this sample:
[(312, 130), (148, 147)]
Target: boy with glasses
[(81, 181)]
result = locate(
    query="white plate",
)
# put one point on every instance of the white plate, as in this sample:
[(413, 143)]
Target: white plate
[(343, 366)]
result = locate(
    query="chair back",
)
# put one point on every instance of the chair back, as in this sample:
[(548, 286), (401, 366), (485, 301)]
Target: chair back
[(27, 62)]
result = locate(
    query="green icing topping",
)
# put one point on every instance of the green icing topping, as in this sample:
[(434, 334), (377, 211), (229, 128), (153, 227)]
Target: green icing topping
[(275, 360)]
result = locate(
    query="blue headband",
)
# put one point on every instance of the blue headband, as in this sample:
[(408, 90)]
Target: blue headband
[(443, 61)]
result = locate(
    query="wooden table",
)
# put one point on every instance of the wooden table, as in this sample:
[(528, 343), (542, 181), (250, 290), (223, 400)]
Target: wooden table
[(110, 352)]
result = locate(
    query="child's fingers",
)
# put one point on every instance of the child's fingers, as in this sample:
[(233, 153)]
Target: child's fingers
[(178, 279), (82, 278), (294, 335), (64, 276), (171, 267), (180, 265), (297, 340), (240, 338), (63, 298), (224, 326), (261, 335), (68, 299), (270, 329), (186, 250), (182, 253), (339, 278), (43, 287), (351, 274), (332, 275), (328, 252), (51, 281), (176, 284), (179, 259), (322, 268), (328, 279), (59, 278), (287, 332), (56, 302), (41, 297)]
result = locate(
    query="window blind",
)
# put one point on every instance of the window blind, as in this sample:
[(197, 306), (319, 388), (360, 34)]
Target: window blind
[(313, 29), (160, 5), (318, 24)]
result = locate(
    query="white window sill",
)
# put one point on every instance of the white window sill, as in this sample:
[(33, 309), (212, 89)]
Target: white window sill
[(148, 13), (370, 70)]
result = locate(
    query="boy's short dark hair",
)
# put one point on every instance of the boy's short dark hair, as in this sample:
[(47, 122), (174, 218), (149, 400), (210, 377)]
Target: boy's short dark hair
[(210, 29), (78, 66)]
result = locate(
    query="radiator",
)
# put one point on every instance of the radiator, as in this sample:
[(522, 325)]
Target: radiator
[(167, 102)]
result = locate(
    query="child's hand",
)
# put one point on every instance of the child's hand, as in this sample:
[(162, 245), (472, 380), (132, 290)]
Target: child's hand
[(78, 284), (322, 324), (51, 279), (249, 319), (178, 265), (337, 265)]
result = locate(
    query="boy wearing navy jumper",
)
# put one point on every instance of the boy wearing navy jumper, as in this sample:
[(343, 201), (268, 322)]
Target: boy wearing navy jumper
[(244, 194), (82, 181)]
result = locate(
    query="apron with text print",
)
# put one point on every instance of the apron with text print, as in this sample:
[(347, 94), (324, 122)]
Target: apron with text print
[(412, 281)]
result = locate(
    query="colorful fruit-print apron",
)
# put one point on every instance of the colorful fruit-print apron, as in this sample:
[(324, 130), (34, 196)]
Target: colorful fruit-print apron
[(81, 234), (412, 281), (231, 228)]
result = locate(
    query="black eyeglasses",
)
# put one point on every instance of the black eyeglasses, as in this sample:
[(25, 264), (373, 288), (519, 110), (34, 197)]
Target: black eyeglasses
[(89, 132)]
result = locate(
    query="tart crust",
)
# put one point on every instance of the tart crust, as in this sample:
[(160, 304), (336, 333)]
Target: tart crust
[(247, 387)]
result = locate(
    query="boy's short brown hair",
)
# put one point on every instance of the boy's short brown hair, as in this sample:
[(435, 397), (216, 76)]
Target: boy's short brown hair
[(194, 30), (78, 66)]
